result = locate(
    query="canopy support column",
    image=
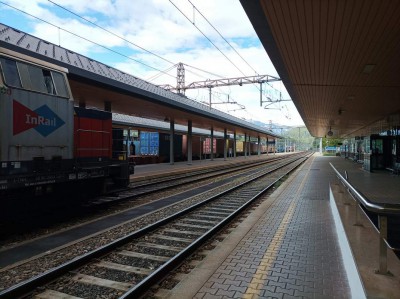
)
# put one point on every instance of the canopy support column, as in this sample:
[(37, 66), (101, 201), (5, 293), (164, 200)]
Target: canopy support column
[(171, 141), (189, 143)]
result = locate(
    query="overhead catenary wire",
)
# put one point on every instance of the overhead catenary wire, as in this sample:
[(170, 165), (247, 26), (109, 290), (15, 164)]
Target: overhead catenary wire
[(159, 74), (216, 30), (214, 93), (109, 49), (84, 38), (214, 43), (110, 32), (102, 46), (207, 38), (160, 57), (207, 72), (124, 39)]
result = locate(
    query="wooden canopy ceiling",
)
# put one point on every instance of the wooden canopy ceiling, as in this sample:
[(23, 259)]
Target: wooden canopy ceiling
[(339, 59)]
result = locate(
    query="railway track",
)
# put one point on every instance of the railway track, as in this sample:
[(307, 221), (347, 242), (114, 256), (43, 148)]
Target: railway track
[(175, 180), (47, 215), (131, 208), (127, 267)]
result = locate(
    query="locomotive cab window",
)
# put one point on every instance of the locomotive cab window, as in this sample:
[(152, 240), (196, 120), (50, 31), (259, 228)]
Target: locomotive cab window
[(31, 77), (10, 72), (61, 87), (48, 81)]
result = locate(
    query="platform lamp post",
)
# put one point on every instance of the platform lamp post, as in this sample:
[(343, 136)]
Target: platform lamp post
[(189, 143), (298, 142), (225, 143), (127, 144), (234, 144), (201, 144), (171, 141), (320, 146), (284, 142), (212, 144)]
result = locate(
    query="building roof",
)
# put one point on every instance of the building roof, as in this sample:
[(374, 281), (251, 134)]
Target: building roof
[(94, 82)]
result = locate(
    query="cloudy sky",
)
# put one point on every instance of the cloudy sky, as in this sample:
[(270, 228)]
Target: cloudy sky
[(147, 38)]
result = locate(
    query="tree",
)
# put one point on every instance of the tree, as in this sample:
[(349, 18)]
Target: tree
[(329, 141), (298, 137)]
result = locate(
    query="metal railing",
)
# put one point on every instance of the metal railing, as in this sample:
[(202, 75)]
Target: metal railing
[(381, 209)]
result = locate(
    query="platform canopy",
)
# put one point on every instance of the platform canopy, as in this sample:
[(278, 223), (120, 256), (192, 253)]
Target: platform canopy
[(339, 60)]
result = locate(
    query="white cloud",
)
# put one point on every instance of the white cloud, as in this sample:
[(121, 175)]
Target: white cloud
[(159, 27), (83, 7)]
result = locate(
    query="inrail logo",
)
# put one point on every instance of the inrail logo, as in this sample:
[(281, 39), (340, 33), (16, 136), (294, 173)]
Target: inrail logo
[(40, 120), (43, 119)]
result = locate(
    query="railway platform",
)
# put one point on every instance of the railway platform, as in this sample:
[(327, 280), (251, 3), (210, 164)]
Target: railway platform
[(294, 244)]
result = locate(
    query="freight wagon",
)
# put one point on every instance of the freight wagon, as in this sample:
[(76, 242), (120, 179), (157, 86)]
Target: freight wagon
[(157, 146), (46, 143), (239, 147)]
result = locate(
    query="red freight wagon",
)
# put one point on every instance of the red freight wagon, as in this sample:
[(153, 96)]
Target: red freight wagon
[(92, 133), (207, 146)]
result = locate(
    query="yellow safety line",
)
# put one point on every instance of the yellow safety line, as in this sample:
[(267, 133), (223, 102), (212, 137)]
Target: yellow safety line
[(261, 274)]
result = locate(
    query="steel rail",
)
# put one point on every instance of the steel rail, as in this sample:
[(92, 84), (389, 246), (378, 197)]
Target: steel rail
[(176, 181), (179, 180), (29, 285), (210, 171)]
